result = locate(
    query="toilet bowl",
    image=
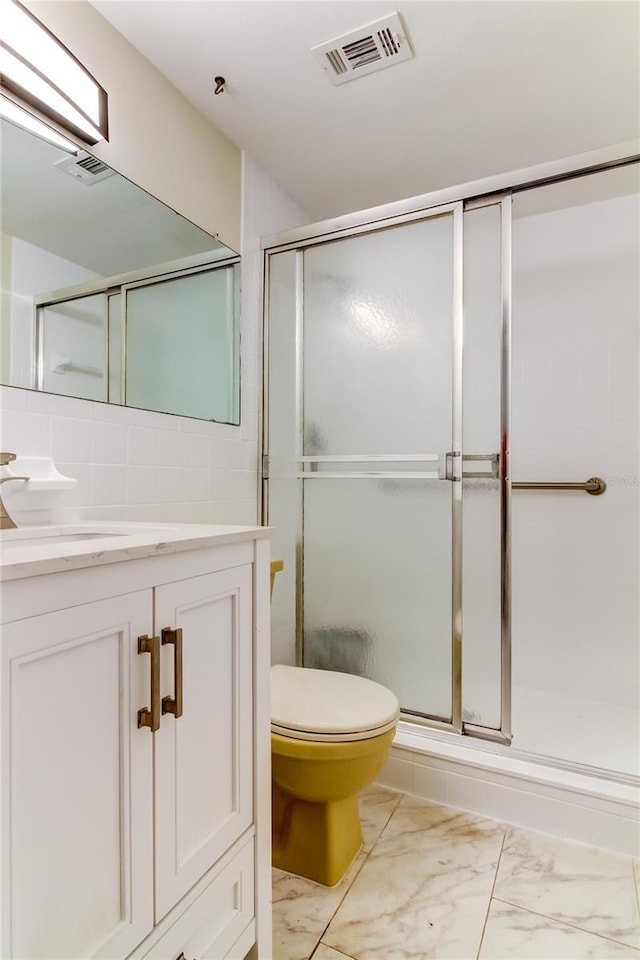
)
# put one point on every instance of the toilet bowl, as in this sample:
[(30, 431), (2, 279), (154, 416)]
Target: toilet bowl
[(330, 735)]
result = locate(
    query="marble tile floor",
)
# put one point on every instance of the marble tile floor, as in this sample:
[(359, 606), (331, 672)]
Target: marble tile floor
[(432, 882)]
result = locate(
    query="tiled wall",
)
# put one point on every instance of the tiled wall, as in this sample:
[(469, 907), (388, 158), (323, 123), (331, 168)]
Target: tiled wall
[(137, 465), (133, 464), (563, 804)]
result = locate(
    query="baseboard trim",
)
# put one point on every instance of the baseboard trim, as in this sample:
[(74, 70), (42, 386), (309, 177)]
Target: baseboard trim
[(554, 801)]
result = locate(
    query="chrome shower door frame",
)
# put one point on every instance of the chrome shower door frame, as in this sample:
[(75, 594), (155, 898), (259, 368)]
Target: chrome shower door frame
[(489, 191), (305, 465)]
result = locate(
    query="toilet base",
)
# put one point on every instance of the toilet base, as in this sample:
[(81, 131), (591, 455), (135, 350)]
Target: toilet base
[(319, 841)]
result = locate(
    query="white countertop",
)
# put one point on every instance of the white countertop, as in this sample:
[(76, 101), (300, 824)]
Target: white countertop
[(34, 551)]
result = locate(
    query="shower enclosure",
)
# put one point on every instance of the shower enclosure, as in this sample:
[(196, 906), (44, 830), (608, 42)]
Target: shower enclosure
[(435, 374)]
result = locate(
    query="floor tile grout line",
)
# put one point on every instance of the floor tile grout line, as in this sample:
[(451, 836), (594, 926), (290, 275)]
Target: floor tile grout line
[(567, 923), (493, 886), (339, 952), (324, 929), (366, 857), (387, 822), (342, 899)]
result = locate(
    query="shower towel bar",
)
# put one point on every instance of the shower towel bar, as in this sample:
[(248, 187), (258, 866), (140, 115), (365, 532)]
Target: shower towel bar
[(594, 485)]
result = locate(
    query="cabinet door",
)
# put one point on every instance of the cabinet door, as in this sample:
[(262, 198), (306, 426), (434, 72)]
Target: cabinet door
[(203, 760), (77, 829)]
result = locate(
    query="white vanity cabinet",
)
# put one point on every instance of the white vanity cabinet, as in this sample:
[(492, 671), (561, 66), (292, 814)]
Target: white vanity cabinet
[(203, 772), (77, 804), (119, 840)]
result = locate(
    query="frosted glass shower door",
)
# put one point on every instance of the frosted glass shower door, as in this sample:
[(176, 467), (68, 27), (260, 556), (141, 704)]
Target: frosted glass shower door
[(369, 457)]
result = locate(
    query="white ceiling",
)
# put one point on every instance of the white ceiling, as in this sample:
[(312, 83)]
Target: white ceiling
[(494, 86)]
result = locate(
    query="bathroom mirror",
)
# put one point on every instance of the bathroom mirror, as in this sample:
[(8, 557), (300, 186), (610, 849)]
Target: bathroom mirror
[(108, 294)]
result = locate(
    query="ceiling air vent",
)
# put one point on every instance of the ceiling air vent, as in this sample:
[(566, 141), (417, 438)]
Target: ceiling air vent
[(374, 47), (85, 168)]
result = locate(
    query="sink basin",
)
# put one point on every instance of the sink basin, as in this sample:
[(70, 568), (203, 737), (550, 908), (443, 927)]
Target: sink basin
[(24, 542), (23, 539)]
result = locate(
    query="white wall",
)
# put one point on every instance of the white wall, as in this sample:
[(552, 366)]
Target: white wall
[(576, 414), (266, 210), (138, 465)]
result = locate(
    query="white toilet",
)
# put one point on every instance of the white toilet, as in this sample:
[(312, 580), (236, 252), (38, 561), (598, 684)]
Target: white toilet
[(330, 735)]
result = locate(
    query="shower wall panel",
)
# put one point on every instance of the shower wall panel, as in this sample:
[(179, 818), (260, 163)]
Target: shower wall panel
[(576, 414)]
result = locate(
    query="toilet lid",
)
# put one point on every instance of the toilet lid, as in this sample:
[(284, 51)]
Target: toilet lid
[(323, 704)]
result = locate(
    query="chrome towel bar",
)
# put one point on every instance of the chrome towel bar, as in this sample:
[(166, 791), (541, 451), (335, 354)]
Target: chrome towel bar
[(594, 485)]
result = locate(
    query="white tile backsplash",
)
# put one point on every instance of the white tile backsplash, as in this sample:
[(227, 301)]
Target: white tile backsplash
[(197, 451), (172, 448), (171, 485), (109, 483), (59, 406), (134, 464), (83, 494), (142, 446), (109, 443), (199, 485), (156, 421), (71, 440), (25, 433), (112, 413), (11, 399), (142, 485)]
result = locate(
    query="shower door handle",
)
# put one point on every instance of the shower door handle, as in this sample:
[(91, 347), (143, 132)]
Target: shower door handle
[(449, 467), (492, 474)]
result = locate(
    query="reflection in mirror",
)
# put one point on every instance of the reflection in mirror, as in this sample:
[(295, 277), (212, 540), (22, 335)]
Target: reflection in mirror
[(107, 294), (72, 354)]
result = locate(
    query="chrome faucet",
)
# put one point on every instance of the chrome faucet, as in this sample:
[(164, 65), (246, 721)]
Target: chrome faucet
[(6, 523)]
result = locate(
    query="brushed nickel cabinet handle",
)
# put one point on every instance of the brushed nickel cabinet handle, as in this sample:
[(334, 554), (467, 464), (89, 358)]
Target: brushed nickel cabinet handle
[(151, 717), (174, 704)]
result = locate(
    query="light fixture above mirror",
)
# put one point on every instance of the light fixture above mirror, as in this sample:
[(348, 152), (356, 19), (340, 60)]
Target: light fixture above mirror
[(40, 71), (11, 111)]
